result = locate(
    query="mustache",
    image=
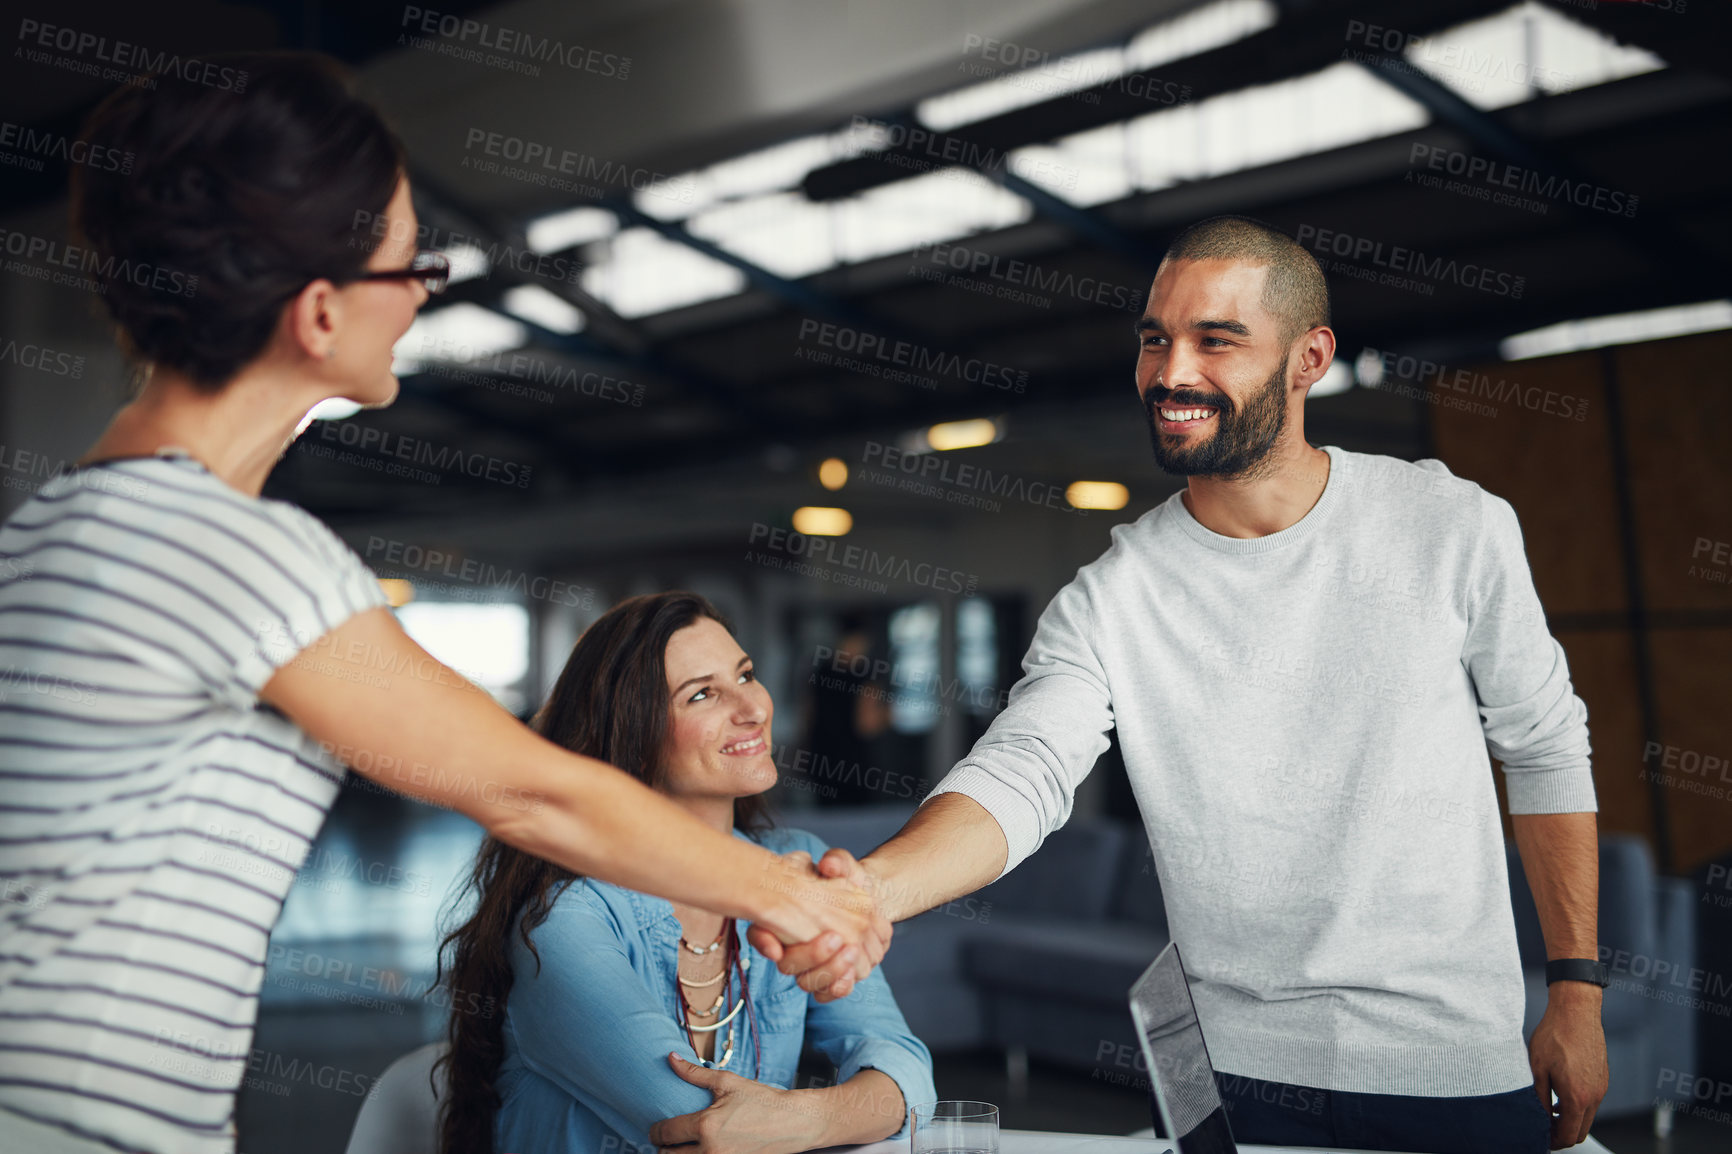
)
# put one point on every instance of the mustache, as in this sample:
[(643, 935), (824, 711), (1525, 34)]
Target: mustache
[(1161, 396)]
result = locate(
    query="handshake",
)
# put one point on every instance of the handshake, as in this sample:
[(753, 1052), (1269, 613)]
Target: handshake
[(825, 921)]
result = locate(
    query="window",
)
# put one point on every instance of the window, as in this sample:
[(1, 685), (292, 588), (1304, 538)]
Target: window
[(977, 655), (487, 643), (914, 636)]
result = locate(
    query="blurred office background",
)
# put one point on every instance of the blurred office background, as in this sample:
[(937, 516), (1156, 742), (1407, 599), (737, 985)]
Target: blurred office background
[(823, 309)]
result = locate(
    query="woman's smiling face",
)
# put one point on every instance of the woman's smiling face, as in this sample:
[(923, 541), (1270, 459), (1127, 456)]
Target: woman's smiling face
[(718, 740)]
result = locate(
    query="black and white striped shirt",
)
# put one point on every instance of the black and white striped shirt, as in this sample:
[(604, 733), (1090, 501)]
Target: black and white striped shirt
[(152, 812)]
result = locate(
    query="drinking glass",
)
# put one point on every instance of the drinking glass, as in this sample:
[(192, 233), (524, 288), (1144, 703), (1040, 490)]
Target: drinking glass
[(955, 1128)]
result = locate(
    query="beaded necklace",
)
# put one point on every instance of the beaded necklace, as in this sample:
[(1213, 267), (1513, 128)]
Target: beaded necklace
[(733, 962)]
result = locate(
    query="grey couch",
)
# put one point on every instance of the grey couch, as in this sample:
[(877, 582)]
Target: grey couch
[(1038, 964)]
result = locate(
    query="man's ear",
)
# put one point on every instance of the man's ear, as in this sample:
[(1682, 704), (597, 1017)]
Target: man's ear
[(1316, 354)]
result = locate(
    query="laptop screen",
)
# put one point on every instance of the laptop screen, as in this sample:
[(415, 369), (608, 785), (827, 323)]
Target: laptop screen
[(1178, 1059)]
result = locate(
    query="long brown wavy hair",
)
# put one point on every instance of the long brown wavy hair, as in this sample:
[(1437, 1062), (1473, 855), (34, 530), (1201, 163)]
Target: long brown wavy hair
[(611, 703)]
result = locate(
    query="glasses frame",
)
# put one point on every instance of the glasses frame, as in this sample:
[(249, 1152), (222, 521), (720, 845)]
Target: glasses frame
[(432, 269)]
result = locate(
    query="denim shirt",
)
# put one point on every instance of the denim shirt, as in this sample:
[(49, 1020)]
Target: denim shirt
[(587, 1038)]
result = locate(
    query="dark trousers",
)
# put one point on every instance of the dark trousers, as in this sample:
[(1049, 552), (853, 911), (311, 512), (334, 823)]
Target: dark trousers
[(1282, 1114)]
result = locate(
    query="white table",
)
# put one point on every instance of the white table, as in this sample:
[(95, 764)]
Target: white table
[(1044, 1142)]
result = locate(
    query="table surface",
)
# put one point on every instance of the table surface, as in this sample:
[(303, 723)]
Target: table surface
[(1044, 1142)]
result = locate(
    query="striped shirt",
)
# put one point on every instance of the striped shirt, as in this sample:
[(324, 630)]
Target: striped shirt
[(152, 811)]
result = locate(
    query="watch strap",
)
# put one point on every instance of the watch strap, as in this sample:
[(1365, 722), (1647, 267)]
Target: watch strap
[(1578, 970)]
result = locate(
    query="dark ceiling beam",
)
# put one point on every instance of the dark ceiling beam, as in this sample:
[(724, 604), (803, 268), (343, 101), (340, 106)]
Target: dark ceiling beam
[(555, 445), (1442, 102), (1672, 253), (615, 461), (553, 450), (1080, 221)]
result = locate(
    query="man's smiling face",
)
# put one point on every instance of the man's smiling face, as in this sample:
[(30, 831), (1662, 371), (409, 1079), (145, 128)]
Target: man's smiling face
[(1212, 368)]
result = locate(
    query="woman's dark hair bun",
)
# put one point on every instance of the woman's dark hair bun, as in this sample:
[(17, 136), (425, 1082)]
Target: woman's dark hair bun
[(239, 186)]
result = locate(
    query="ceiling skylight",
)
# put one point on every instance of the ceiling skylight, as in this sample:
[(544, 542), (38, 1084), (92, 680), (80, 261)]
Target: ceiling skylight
[(1620, 329), (455, 334), (1526, 50), (532, 302), (937, 206), (641, 272), (1246, 128), (558, 231), (1197, 31)]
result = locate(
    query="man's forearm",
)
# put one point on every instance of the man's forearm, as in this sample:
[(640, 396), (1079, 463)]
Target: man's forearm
[(950, 847), (1560, 855)]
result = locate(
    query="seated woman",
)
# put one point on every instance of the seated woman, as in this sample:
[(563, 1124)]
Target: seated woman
[(601, 987)]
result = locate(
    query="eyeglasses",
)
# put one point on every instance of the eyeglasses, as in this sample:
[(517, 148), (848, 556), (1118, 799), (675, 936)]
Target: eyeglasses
[(432, 269)]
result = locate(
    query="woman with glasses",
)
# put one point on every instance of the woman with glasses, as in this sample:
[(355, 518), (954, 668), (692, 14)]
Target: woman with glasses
[(190, 665)]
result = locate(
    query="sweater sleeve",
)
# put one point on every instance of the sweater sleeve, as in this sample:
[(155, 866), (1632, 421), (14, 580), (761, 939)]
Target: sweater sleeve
[(1534, 722), (1026, 767)]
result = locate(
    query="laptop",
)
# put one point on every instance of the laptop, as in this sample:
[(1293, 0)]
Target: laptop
[(1192, 1114)]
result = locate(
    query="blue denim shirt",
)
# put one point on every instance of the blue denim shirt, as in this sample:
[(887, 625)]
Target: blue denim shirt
[(587, 1039)]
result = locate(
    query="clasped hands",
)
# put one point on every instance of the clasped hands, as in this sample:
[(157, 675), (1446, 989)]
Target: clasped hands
[(830, 928)]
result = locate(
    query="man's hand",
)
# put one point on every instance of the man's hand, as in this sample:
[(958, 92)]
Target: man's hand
[(809, 959), (951, 846), (828, 965), (839, 863), (1568, 1054), (746, 1117)]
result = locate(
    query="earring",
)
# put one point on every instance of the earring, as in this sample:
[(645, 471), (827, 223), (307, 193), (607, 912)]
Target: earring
[(330, 352)]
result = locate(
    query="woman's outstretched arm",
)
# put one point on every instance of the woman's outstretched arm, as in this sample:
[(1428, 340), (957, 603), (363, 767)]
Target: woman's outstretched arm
[(385, 706)]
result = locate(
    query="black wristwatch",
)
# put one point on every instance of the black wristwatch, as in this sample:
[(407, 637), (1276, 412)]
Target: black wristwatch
[(1578, 970)]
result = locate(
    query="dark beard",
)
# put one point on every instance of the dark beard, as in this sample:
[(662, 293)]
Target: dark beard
[(1242, 440)]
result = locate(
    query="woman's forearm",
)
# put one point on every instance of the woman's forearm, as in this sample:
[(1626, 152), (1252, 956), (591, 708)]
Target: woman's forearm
[(594, 820), (421, 729), (866, 1108)]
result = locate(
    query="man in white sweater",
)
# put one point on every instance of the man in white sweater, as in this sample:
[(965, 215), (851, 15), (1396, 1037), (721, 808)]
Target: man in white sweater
[(1307, 653)]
